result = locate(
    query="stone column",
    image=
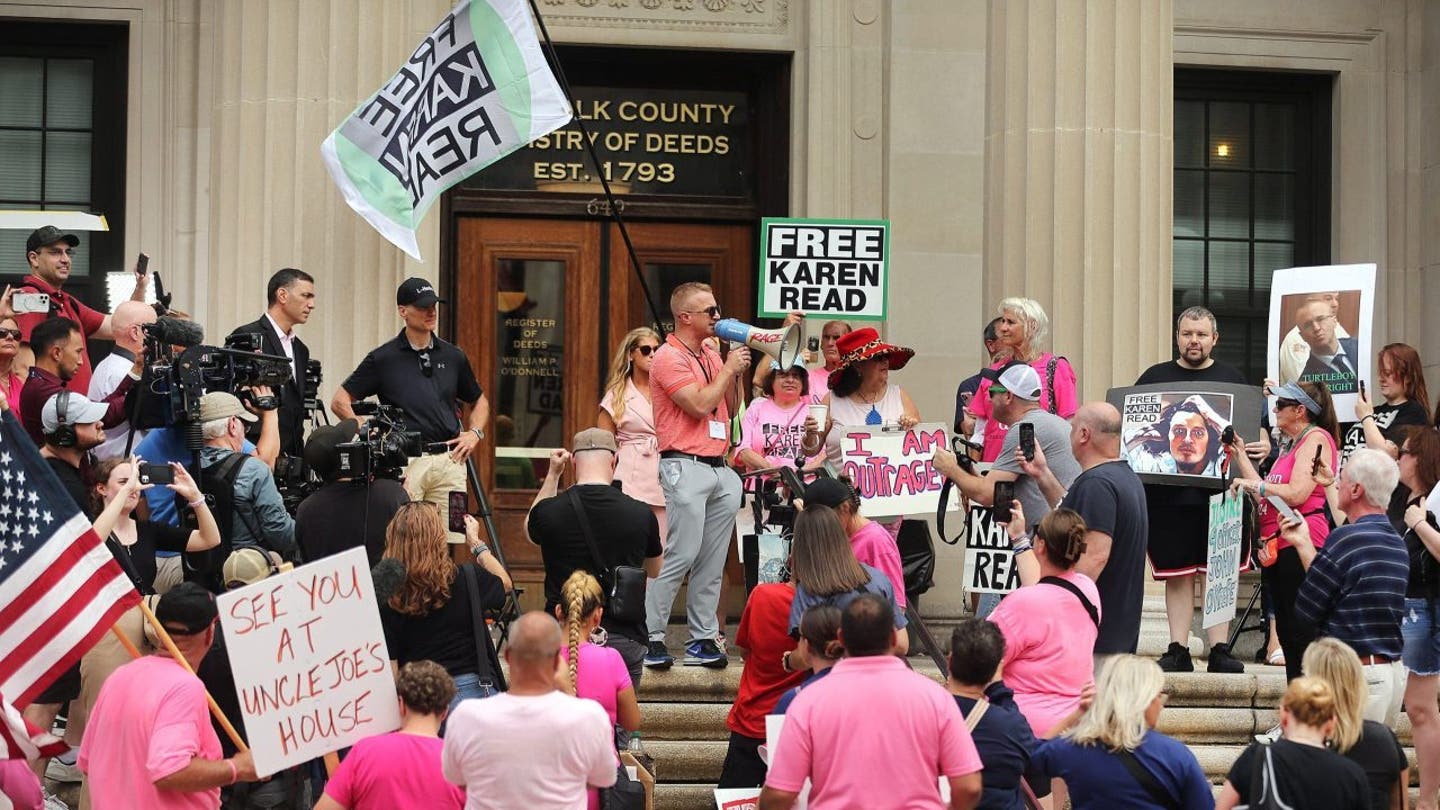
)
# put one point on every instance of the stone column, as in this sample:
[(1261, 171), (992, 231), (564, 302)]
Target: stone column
[(1078, 173), (286, 73)]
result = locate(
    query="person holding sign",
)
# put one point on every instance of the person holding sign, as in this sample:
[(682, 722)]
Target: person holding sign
[(1305, 417), (693, 393), (401, 769), (861, 393), (149, 743), (1023, 325)]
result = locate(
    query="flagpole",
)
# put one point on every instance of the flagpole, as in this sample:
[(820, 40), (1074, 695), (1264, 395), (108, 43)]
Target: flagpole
[(175, 653), (611, 203)]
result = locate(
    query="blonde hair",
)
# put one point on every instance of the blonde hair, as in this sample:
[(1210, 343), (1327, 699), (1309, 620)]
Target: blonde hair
[(684, 293), (1124, 689), (417, 539), (580, 597), (620, 369), (1335, 663), (1310, 701), (1037, 323)]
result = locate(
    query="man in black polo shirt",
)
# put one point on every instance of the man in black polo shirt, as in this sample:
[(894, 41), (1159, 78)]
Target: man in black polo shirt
[(432, 382), (625, 531)]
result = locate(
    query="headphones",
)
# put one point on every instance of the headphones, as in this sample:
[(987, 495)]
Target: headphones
[(64, 433)]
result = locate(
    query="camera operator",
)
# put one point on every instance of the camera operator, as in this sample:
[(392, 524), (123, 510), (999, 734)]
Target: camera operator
[(59, 357), (251, 513), (626, 532), (129, 322), (290, 296), (432, 382), (346, 511)]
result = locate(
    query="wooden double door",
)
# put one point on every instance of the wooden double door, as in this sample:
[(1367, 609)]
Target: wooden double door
[(541, 306)]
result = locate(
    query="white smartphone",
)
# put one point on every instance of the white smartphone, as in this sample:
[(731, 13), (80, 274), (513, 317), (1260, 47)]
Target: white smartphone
[(23, 302), (1283, 508)]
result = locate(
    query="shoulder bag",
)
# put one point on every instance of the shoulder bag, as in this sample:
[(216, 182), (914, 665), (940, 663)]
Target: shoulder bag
[(1147, 780), (488, 662), (624, 585), (1070, 586), (1264, 792)]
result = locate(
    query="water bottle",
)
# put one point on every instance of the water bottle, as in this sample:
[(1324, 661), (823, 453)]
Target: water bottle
[(636, 749)]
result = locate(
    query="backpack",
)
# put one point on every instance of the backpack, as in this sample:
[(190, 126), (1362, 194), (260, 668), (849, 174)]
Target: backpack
[(217, 483)]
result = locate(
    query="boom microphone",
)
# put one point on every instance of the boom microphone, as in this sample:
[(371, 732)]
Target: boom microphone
[(175, 332), (388, 576)]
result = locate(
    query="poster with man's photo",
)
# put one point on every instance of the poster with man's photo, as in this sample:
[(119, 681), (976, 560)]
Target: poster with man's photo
[(1173, 433), (1320, 330)]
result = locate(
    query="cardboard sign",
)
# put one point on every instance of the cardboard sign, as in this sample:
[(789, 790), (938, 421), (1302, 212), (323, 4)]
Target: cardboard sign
[(1222, 582), (737, 798), (989, 562), (892, 468), (831, 267), (1171, 433), (310, 661), (1321, 326)]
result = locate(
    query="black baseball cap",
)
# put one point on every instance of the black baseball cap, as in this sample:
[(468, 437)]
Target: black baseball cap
[(829, 492), (186, 609), (320, 454), (417, 292), (49, 235)]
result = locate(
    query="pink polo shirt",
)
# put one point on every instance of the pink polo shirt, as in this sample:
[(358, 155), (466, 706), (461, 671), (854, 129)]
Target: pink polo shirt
[(875, 546), (1049, 644), (673, 368), (873, 733)]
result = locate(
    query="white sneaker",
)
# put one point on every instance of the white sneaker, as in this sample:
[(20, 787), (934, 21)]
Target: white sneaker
[(1270, 736), (53, 802), (62, 771)]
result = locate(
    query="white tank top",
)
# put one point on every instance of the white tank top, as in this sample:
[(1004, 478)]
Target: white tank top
[(852, 411)]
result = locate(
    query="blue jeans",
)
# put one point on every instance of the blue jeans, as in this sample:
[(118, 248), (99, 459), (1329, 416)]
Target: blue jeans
[(1420, 627), (468, 686)]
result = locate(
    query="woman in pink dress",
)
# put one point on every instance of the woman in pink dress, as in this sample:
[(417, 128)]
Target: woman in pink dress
[(12, 375), (626, 412), (1023, 325), (592, 670)]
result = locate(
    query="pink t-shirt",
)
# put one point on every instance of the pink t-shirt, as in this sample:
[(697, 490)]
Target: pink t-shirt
[(674, 368), (819, 384), (1065, 397), (149, 721), (528, 751), (774, 432), (872, 716), (20, 785), (394, 772), (602, 677), (875, 546), (1049, 641)]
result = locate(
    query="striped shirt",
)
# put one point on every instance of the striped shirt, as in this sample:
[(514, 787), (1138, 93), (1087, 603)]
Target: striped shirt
[(1355, 588)]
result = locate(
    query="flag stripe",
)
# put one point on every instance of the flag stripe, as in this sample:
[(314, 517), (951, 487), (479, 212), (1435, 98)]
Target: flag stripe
[(49, 593), (51, 552), (47, 655), (19, 739)]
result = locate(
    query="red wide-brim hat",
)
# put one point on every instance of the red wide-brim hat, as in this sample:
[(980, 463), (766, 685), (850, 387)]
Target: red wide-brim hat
[(865, 344)]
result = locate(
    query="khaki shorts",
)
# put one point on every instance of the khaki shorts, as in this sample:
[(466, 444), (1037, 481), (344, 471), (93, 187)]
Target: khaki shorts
[(432, 479)]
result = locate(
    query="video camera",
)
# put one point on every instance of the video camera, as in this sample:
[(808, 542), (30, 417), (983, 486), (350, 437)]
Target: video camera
[(775, 493), (182, 379), (384, 447)]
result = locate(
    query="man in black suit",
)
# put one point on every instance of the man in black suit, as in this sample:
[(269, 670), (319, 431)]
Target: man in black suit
[(291, 297), (1333, 360)]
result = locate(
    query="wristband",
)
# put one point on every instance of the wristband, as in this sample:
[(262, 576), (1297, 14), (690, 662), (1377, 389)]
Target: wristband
[(1262, 489), (234, 772), (1366, 416), (197, 503), (1022, 548), (479, 434), (478, 549)]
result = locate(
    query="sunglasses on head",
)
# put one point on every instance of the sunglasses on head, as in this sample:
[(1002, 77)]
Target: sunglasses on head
[(425, 367), (646, 350), (13, 334)]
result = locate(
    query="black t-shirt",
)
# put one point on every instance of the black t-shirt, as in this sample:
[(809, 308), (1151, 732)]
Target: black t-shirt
[(150, 537), (625, 531), (1424, 582), (445, 635), (1306, 776), (395, 371), (1112, 500), (1379, 755), (1161, 496), (344, 514), (1390, 419), (73, 479)]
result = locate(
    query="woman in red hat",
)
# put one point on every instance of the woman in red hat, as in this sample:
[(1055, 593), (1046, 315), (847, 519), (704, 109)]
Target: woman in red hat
[(1022, 326)]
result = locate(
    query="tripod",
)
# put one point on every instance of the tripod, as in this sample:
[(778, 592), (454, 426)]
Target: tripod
[(513, 600)]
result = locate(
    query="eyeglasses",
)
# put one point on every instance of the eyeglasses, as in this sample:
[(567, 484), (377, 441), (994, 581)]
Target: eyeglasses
[(1286, 403), (646, 350), (425, 367), (13, 334), (1195, 433), (713, 312), (1316, 323), (1405, 451)]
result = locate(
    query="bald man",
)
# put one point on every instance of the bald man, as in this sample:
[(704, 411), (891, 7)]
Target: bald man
[(1111, 499), (533, 746), (127, 322)]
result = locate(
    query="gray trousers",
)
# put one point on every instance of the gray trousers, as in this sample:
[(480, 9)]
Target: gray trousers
[(700, 506)]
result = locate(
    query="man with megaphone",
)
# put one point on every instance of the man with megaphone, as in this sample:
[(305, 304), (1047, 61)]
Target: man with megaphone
[(694, 393)]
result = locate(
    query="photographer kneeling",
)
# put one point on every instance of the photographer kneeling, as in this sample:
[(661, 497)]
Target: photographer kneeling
[(346, 510)]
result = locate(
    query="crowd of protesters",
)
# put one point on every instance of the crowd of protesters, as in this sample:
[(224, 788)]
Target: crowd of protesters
[(1044, 700)]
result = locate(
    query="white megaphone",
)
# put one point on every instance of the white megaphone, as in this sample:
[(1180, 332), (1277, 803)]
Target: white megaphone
[(782, 345)]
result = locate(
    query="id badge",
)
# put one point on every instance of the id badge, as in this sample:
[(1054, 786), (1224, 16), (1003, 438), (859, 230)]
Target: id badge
[(717, 430)]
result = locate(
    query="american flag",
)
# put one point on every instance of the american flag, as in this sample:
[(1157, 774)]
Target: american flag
[(60, 588), (20, 739)]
